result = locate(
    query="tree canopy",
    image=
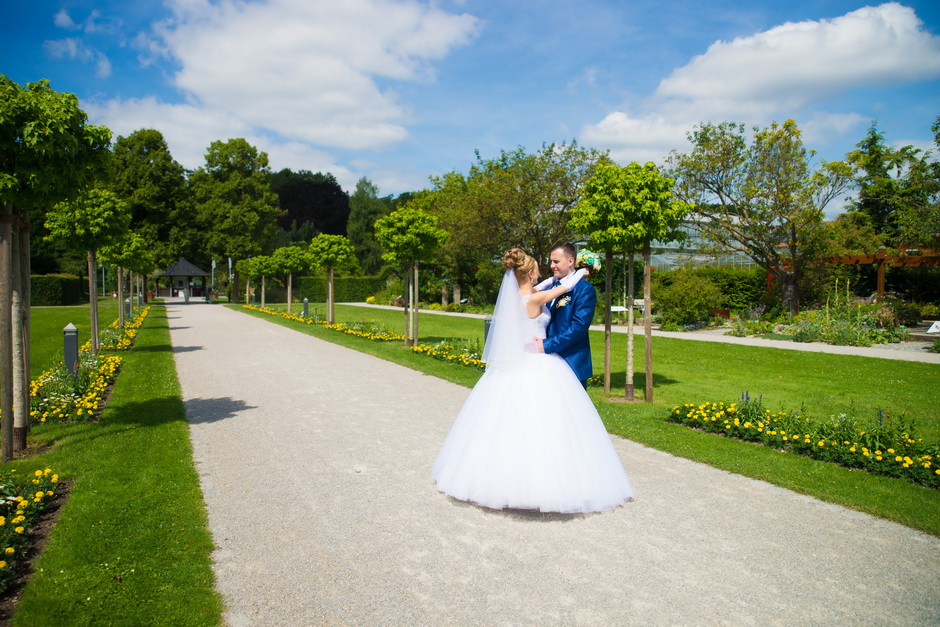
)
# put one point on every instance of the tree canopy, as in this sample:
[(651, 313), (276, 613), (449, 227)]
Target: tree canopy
[(235, 206), (759, 199), (365, 207), (153, 184), (306, 198)]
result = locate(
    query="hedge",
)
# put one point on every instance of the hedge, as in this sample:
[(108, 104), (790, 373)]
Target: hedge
[(56, 290), (741, 287), (345, 289)]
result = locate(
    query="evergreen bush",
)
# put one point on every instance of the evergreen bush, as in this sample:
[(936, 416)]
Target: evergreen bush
[(56, 290)]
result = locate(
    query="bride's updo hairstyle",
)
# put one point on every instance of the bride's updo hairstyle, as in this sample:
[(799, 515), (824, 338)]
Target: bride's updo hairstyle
[(516, 259)]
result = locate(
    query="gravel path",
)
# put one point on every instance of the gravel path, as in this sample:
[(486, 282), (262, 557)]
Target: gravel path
[(315, 464)]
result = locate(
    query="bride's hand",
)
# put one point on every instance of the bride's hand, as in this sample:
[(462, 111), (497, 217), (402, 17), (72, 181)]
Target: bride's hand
[(572, 279)]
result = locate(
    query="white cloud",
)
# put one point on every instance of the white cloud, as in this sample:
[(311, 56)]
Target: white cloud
[(776, 74), (799, 62), (311, 70), (62, 19)]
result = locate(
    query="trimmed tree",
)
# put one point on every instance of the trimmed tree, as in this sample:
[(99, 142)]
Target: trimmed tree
[(331, 252), (47, 153), (623, 210), (94, 220), (289, 260), (409, 236)]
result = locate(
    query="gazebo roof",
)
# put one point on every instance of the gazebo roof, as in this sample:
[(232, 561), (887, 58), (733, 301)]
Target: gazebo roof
[(183, 268)]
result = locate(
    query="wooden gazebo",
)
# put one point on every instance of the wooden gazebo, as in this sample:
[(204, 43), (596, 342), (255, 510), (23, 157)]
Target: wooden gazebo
[(881, 259), (182, 275)]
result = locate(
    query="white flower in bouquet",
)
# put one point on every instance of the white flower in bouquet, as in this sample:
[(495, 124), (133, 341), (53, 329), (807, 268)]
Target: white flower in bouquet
[(587, 259)]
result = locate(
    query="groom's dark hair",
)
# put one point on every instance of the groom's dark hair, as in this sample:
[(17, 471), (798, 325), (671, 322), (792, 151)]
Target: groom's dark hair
[(567, 248)]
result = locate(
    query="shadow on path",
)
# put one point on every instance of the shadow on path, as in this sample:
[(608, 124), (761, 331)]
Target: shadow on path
[(206, 410)]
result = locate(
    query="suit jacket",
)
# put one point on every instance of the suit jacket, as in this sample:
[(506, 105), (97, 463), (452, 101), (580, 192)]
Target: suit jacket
[(567, 333)]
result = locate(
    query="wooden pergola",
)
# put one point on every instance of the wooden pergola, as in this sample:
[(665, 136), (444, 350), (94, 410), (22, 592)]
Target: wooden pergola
[(881, 259)]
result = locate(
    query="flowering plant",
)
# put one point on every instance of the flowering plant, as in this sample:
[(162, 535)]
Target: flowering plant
[(586, 259)]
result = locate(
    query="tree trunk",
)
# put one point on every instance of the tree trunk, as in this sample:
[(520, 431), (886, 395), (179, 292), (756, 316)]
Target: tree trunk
[(445, 293), (330, 311), (290, 296), (25, 272), (93, 300), (120, 295), (457, 294), (20, 387), (789, 292), (6, 329), (628, 391), (247, 289), (406, 304), (648, 322), (262, 292), (608, 286)]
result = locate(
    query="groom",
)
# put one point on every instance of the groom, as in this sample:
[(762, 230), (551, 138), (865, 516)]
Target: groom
[(567, 333)]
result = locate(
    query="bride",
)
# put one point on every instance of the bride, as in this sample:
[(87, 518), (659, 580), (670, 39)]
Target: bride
[(528, 436)]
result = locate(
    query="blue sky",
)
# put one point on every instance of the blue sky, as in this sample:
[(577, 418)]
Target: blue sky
[(398, 90)]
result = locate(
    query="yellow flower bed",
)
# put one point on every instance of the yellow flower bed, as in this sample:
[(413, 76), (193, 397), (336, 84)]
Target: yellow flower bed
[(22, 499), (886, 447), (446, 351), (57, 395)]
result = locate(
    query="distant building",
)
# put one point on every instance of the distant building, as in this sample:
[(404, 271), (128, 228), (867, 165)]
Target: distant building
[(671, 255)]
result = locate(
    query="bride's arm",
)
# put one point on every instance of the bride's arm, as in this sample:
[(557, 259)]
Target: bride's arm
[(568, 283)]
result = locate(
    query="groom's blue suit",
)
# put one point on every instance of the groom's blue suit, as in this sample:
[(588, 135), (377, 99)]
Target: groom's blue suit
[(567, 332)]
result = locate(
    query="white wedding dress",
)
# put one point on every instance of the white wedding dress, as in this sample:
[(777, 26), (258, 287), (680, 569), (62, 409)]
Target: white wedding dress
[(529, 437)]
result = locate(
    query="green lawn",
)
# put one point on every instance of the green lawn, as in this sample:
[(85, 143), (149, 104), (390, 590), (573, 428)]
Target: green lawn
[(131, 545), (687, 371), (47, 325)]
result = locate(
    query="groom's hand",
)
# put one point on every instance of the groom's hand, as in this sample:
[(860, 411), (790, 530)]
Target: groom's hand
[(535, 346)]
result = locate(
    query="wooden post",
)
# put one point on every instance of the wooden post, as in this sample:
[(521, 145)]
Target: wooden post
[(414, 320), (648, 322), (608, 286), (628, 388)]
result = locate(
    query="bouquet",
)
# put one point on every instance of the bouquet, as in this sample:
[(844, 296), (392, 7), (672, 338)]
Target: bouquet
[(587, 259)]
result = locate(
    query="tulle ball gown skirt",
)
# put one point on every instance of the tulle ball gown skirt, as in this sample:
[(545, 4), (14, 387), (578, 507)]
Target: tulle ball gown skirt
[(529, 437)]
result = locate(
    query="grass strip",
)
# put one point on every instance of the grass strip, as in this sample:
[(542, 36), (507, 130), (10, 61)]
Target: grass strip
[(688, 371), (131, 546)]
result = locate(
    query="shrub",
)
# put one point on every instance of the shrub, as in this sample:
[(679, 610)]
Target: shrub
[(345, 289), (935, 347), (56, 290), (688, 300)]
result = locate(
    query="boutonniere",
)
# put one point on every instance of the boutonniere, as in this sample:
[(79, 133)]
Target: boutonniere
[(564, 300)]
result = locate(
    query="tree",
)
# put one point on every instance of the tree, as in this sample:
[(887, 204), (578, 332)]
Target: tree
[(624, 210), (409, 236), (235, 206), (919, 217), (289, 260), (245, 268), (47, 153), (759, 199), (307, 198), (515, 199), (331, 252), (132, 252), (94, 220), (365, 207), (153, 185)]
